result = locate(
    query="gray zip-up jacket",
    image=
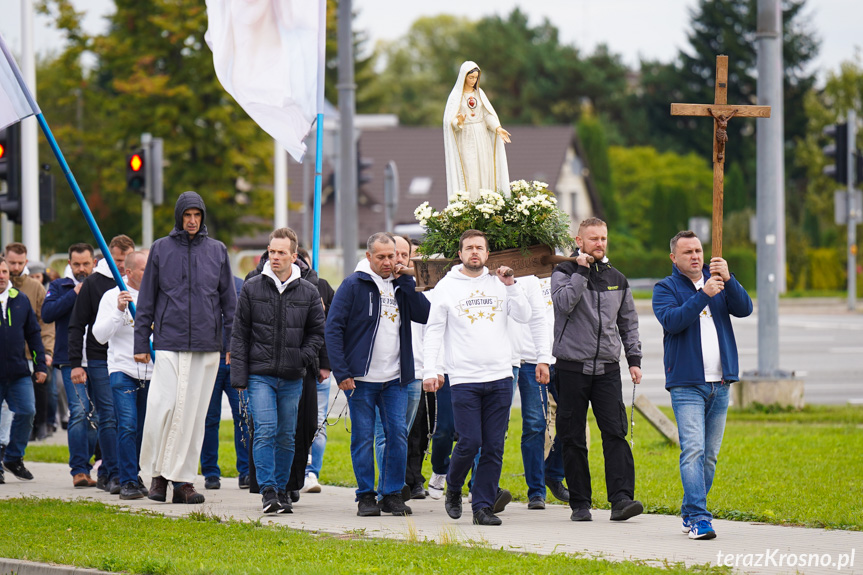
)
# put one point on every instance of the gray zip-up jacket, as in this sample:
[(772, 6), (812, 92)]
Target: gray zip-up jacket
[(187, 289), (593, 314)]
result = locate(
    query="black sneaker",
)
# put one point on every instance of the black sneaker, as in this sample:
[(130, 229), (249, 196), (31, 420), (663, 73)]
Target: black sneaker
[(394, 504), (2, 478), (452, 503), (418, 492), (581, 515), (102, 482), (294, 494), (485, 516), (368, 506), (406, 493), (626, 509), (536, 502), (244, 481), (270, 500), (17, 469), (131, 490), (212, 482), (504, 497), (559, 490), (285, 503), (114, 486)]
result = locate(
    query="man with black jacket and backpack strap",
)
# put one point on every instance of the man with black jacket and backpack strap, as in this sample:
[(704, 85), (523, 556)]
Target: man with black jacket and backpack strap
[(278, 330), (593, 314)]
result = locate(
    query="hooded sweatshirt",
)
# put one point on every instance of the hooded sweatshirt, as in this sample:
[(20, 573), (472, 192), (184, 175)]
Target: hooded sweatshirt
[(84, 316), (188, 289), (384, 365), (470, 318)]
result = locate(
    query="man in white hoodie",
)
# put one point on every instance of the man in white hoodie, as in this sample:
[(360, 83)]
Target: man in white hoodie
[(130, 381), (470, 318), (369, 343)]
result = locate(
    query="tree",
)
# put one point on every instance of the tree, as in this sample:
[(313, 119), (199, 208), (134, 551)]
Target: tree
[(591, 131), (724, 27)]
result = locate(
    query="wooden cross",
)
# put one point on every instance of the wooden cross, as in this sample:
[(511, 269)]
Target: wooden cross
[(721, 112)]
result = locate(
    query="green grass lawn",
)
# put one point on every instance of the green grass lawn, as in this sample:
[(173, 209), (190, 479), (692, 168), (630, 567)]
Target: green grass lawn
[(91, 534), (784, 467)]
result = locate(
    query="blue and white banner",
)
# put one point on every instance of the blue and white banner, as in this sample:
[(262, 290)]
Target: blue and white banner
[(265, 53), (14, 106)]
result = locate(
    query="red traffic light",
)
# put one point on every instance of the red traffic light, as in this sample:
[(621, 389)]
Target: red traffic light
[(136, 162), (2, 151)]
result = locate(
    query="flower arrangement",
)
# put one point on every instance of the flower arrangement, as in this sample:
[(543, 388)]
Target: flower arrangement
[(530, 216)]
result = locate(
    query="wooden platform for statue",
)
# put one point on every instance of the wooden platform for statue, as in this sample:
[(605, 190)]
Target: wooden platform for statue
[(432, 270)]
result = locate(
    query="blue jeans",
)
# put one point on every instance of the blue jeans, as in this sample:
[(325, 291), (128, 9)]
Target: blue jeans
[(51, 406), (534, 404), (18, 394), (391, 398), (480, 414), (554, 461), (700, 412), (415, 391), (210, 447), (274, 403), (320, 442), (100, 391), (83, 423), (130, 403)]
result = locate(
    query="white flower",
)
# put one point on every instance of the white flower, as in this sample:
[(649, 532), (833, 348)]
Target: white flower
[(525, 212)]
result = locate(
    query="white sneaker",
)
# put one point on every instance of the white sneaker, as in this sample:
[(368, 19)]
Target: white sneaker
[(436, 485), (311, 485)]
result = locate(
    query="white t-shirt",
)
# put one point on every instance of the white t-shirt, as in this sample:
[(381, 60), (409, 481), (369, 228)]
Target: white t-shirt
[(709, 343), (385, 363)]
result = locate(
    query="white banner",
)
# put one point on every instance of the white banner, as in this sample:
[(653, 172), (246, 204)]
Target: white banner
[(265, 53), (13, 102)]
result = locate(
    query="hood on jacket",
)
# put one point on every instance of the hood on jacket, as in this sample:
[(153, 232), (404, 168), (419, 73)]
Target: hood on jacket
[(306, 272), (455, 273), (103, 268), (188, 200)]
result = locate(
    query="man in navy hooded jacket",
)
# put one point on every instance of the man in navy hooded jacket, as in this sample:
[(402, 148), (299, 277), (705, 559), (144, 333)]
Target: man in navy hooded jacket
[(694, 305), (186, 294), (368, 338)]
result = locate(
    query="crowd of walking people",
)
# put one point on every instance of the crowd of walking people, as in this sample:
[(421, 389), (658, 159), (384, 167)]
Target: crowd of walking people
[(137, 375)]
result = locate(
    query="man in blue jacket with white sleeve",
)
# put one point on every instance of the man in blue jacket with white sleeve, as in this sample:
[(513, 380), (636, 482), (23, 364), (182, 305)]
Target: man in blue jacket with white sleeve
[(368, 339), (694, 305)]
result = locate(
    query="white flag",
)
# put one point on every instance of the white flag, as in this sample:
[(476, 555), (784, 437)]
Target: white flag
[(266, 56), (13, 102)]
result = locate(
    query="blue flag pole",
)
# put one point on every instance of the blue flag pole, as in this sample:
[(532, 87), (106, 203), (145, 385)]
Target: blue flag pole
[(79, 197), (319, 134)]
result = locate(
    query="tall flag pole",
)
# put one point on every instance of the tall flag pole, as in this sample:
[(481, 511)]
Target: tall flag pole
[(17, 103), (319, 134)]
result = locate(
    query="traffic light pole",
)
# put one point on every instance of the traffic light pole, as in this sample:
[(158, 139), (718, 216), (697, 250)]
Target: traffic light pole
[(853, 216), (30, 224), (147, 201)]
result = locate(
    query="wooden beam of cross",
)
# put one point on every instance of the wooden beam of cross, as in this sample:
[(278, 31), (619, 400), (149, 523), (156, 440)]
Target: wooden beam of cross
[(721, 113)]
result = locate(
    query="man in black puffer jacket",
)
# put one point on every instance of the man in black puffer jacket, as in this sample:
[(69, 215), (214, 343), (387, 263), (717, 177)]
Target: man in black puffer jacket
[(278, 331)]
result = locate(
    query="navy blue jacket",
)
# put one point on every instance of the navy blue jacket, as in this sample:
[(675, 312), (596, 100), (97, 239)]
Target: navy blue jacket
[(352, 323), (57, 308), (187, 290), (678, 305), (17, 327)]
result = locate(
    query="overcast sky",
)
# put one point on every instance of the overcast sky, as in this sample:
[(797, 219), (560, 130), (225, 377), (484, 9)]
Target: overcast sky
[(634, 28)]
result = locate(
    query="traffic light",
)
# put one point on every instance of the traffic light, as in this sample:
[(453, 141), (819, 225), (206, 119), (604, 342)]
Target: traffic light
[(136, 173), (837, 150), (10, 171)]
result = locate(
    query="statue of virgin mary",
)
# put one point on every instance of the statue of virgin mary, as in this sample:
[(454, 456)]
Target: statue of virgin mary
[(473, 139)]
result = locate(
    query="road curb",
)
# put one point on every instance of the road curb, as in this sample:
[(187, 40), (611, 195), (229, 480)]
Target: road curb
[(21, 567)]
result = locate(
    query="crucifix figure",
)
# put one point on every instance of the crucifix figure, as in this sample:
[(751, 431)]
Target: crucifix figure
[(721, 113)]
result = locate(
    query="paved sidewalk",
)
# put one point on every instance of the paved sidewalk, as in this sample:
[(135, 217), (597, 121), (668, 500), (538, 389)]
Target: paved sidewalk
[(655, 539)]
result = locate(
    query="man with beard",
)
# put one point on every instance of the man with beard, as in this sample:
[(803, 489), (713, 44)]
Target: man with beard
[(471, 311), (593, 313), (59, 302), (16, 258)]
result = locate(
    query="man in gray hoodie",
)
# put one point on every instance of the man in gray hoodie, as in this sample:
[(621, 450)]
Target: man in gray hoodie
[(187, 290)]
